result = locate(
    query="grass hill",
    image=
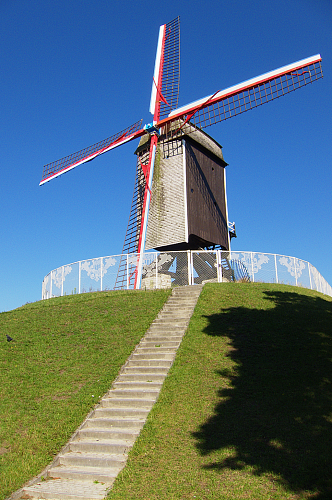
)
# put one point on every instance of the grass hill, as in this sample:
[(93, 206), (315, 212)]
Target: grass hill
[(245, 413), (65, 354)]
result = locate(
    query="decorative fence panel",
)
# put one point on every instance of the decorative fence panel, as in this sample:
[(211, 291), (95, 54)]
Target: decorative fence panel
[(274, 268), (163, 270)]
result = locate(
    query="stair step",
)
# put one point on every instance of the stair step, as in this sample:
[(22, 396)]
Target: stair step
[(171, 321), (121, 412), (127, 402), (170, 327), (178, 309), (144, 367), (164, 335), (148, 394), (163, 339), (93, 459), (179, 314), (179, 304), (140, 383), (181, 300), (165, 343), (124, 422), (153, 357), (152, 363), (101, 474), (145, 378), (155, 350), (121, 433), (101, 446), (59, 489)]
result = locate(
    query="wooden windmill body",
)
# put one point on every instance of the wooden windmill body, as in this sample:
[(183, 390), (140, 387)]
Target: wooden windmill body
[(179, 200), (188, 208)]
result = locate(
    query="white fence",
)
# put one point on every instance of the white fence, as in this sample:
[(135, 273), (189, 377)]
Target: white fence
[(160, 270)]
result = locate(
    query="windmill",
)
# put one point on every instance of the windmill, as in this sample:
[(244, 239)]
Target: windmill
[(179, 199)]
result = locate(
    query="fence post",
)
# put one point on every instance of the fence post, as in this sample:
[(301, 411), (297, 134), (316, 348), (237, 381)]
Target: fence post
[(295, 271), (156, 270), (252, 268), (275, 263), (101, 274), (127, 271), (218, 262), (189, 259), (309, 275), (62, 280), (79, 276)]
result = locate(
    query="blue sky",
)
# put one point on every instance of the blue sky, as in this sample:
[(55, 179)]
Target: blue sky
[(75, 72)]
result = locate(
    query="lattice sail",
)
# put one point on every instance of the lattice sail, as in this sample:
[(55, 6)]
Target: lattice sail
[(171, 69), (131, 242), (249, 94), (65, 164), (166, 78)]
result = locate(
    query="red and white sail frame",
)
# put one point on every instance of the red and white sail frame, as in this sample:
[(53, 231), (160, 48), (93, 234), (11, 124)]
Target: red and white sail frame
[(157, 75), (248, 94), (59, 167), (246, 85), (155, 102), (145, 211)]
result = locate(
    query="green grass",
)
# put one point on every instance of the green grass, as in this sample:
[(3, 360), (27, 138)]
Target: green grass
[(64, 357), (246, 411)]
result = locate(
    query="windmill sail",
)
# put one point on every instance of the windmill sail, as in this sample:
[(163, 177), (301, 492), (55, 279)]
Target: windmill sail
[(166, 78), (164, 98), (67, 163), (247, 95)]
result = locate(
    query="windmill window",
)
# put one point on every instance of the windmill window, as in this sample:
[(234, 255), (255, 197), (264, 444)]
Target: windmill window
[(192, 190)]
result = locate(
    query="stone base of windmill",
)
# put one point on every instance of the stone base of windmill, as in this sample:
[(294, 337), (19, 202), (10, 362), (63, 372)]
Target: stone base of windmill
[(151, 282)]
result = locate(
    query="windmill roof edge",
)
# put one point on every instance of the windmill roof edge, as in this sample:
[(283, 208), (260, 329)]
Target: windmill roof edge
[(206, 141)]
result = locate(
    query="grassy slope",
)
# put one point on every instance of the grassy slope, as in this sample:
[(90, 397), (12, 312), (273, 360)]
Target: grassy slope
[(246, 412), (65, 355)]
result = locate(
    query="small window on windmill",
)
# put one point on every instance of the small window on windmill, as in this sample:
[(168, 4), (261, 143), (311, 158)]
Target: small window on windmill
[(172, 148)]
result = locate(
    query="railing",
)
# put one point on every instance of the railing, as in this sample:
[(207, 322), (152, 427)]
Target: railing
[(275, 268), (161, 270)]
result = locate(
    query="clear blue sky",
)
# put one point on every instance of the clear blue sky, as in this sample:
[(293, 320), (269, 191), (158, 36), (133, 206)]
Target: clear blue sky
[(74, 72)]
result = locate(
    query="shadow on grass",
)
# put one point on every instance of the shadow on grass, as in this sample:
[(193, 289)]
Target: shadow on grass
[(277, 414)]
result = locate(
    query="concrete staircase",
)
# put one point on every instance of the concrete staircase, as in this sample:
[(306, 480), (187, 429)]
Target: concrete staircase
[(87, 466)]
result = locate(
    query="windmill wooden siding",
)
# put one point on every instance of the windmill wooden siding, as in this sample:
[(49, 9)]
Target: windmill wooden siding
[(188, 208), (167, 220)]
